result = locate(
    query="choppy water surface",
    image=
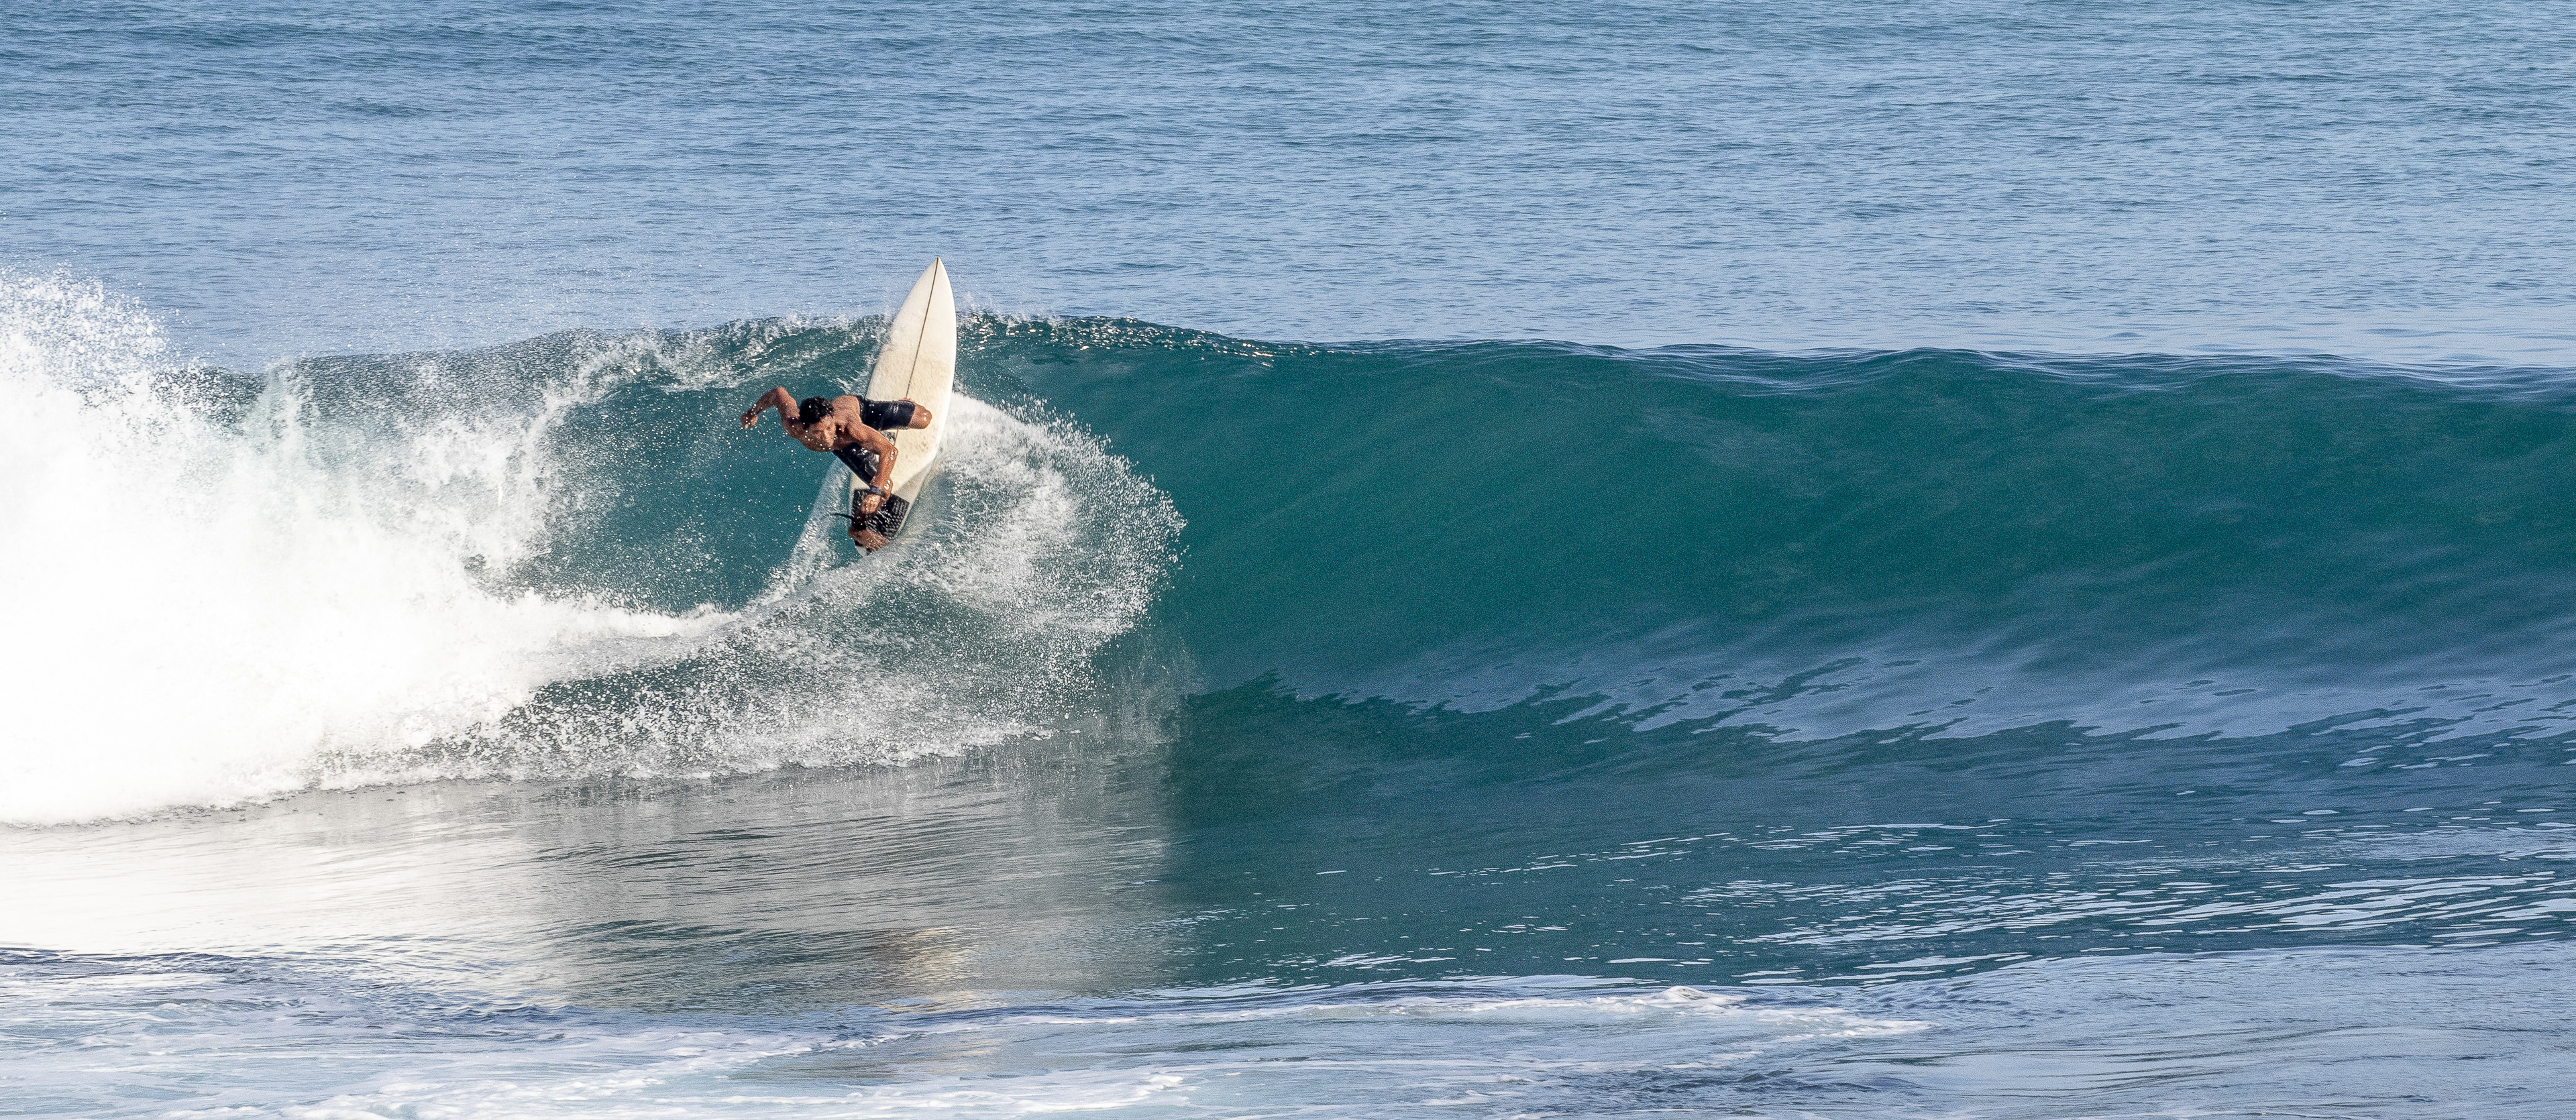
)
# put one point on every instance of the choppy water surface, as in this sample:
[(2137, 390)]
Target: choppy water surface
[(2377, 179), (2056, 605)]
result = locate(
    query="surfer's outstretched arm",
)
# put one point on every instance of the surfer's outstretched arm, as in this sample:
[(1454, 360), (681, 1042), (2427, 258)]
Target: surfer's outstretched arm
[(776, 398)]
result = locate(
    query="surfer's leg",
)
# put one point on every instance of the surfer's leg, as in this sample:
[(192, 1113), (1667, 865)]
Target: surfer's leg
[(887, 416)]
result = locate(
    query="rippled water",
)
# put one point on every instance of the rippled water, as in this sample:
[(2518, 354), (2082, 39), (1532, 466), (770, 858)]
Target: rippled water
[(2373, 179), (1026, 931), (1962, 560)]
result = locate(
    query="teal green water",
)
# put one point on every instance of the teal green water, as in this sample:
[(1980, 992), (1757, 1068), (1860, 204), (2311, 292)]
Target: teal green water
[(1964, 560), (1691, 727)]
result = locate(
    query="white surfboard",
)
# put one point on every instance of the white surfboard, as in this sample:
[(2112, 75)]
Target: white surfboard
[(917, 363)]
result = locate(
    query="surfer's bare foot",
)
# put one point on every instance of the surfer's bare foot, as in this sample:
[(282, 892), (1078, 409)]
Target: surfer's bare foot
[(868, 539), (920, 415)]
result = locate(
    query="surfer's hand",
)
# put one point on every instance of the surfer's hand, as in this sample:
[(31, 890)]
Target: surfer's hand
[(751, 415)]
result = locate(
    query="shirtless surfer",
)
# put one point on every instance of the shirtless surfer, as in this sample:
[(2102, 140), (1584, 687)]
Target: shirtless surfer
[(848, 427)]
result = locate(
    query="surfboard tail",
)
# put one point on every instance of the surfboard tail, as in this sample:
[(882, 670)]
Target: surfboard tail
[(888, 519)]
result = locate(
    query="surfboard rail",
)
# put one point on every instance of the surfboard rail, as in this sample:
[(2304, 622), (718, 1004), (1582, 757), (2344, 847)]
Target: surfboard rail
[(918, 363)]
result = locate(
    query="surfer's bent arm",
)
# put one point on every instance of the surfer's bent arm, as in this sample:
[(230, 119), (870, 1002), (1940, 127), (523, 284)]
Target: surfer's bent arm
[(884, 450), (778, 399)]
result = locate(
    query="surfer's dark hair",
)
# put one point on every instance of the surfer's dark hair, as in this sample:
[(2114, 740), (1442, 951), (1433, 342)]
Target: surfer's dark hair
[(812, 409)]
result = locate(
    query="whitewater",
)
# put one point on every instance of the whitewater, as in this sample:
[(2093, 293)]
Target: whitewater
[(343, 582), (1966, 560)]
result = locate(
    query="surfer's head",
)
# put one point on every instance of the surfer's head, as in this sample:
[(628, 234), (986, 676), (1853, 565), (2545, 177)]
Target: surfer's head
[(812, 409)]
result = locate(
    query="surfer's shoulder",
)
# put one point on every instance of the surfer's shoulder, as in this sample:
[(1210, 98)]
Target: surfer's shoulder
[(849, 409)]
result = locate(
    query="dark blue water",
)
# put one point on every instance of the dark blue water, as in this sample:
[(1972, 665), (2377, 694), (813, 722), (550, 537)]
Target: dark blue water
[(1963, 560), (2374, 180)]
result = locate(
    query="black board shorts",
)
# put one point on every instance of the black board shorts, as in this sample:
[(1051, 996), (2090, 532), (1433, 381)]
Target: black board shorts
[(886, 416), (861, 461)]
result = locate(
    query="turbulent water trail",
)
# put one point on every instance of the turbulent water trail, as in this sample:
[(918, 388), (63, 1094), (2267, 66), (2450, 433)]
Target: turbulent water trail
[(503, 561)]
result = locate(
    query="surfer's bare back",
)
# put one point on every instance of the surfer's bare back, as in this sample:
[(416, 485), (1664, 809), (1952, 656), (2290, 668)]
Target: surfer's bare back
[(848, 427)]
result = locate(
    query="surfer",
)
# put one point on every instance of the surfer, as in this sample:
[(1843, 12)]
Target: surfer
[(848, 427)]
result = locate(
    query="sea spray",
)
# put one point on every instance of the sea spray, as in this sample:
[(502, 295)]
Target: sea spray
[(1039, 549), (204, 604), (349, 570)]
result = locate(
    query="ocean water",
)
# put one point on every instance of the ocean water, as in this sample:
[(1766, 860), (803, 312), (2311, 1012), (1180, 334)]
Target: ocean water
[(1934, 561)]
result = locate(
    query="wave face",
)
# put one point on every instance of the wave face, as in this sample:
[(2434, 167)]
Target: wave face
[(557, 557), (1829, 542)]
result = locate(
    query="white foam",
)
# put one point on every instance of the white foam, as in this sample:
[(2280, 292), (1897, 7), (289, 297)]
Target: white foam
[(212, 602), (1033, 548), (378, 1051), (198, 610)]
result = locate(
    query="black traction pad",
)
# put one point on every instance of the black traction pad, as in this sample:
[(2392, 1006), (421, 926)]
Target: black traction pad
[(888, 519)]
